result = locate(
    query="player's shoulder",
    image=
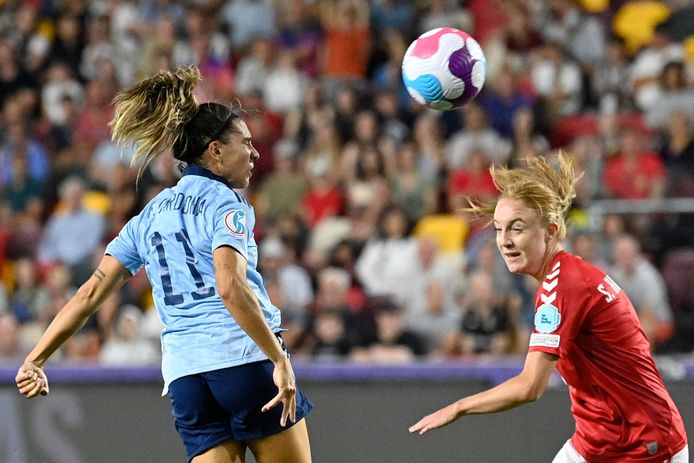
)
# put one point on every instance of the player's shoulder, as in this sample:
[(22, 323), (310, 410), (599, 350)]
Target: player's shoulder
[(214, 192), (569, 271)]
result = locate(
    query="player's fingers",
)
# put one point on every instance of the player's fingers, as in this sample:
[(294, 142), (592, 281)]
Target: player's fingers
[(24, 381), (26, 386), (273, 403), (292, 409), (285, 413), (33, 390), (417, 427)]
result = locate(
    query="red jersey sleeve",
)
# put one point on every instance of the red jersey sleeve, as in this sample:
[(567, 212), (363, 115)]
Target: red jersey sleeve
[(561, 304)]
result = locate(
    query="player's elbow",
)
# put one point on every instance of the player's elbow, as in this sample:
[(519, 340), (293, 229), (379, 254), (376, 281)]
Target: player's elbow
[(230, 291), (532, 392)]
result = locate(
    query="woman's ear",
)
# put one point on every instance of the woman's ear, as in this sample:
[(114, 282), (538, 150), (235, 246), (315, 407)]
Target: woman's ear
[(214, 151), (551, 232)]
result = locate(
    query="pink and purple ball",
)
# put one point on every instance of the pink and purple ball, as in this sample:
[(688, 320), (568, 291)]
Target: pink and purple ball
[(444, 68)]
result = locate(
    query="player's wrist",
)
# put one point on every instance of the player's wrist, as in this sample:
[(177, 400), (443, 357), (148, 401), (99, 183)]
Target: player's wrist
[(35, 362)]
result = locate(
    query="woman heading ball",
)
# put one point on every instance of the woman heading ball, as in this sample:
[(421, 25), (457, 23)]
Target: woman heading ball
[(229, 380)]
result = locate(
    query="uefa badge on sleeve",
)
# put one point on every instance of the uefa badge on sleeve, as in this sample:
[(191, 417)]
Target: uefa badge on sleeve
[(235, 221), (547, 318)]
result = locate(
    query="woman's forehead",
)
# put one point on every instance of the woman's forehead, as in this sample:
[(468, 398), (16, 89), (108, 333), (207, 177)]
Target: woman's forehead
[(508, 209)]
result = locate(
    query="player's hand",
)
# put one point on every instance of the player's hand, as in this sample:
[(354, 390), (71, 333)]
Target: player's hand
[(435, 420), (31, 380), (283, 376)]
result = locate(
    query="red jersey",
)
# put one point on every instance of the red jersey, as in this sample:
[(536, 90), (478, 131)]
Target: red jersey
[(621, 407)]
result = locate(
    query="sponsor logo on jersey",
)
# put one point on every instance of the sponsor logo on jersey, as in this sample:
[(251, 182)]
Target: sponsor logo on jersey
[(235, 221), (547, 318), (544, 340)]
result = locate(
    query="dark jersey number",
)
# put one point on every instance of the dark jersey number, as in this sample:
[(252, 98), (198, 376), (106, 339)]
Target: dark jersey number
[(170, 297)]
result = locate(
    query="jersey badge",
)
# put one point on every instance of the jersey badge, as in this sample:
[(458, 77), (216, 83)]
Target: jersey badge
[(235, 221), (547, 318)]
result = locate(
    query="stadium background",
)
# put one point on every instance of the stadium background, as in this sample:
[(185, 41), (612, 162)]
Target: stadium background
[(352, 172)]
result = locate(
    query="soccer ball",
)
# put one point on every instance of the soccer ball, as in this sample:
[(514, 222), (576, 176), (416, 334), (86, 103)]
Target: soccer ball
[(444, 68)]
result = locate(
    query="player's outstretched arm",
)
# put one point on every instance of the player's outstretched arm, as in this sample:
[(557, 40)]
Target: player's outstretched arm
[(240, 301), (528, 386), (108, 277)]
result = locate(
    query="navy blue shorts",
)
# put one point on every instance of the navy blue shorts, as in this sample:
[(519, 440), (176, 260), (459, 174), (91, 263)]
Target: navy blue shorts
[(217, 406)]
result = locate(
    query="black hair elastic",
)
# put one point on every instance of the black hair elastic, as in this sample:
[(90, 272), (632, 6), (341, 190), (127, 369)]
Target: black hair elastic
[(220, 131)]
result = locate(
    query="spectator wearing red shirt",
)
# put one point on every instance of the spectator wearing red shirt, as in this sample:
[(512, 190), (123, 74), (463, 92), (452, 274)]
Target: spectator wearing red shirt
[(472, 181), (635, 172)]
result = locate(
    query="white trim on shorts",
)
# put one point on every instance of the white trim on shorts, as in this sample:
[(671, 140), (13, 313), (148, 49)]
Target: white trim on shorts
[(568, 454)]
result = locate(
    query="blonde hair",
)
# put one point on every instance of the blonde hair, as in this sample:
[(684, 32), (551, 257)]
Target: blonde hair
[(161, 112), (153, 112), (542, 187)]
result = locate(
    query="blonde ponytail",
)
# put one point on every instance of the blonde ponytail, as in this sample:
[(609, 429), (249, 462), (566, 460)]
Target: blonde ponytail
[(539, 185), (153, 113)]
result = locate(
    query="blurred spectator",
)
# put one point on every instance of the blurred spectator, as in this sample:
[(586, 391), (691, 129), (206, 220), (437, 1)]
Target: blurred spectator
[(386, 260), (678, 154), (557, 79), (329, 337), (60, 85), (157, 44), (284, 84), (436, 320), (475, 134), (675, 95), (413, 192), (527, 139), (282, 190), (323, 199), (253, 68), (586, 246), (648, 67), (503, 99), (635, 172), (83, 347), (19, 141), (521, 36), (301, 32), (247, 19), (69, 42), (21, 188), (392, 342), (610, 78), (392, 14), (471, 181), (13, 349), (347, 41), (91, 125), (72, 232), (365, 179), (13, 77), (29, 299), (444, 13), (27, 228), (582, 36), (277, 263), (484, 326), (430, 145), (646, 289), (127, 347)]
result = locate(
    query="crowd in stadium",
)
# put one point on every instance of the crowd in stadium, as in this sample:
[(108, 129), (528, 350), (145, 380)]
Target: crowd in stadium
[(358, 188)]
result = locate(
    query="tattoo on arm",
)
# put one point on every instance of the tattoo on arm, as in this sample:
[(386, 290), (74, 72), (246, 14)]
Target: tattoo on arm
[(99, 274)]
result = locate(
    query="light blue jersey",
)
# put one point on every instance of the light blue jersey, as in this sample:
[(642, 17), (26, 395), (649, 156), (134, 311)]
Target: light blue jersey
[(173, 238)]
